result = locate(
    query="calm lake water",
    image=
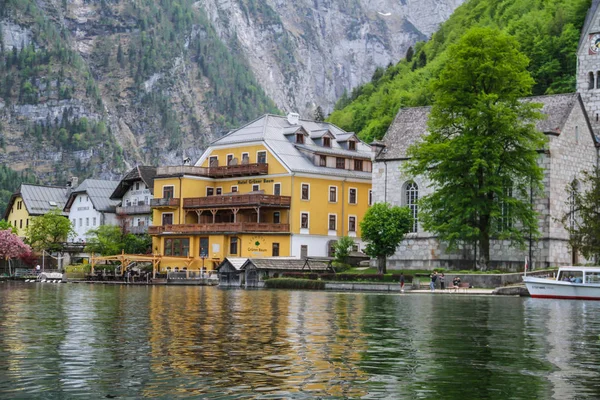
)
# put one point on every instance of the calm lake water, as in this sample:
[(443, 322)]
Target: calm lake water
[(61, 341)]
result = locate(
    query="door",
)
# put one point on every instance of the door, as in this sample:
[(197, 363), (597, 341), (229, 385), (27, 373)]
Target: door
[(303, 251)]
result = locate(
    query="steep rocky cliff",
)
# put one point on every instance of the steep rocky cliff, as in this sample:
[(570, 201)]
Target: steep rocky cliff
[(91, 87)]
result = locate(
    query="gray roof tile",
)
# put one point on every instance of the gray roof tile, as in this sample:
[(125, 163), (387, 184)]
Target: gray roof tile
[(99, 192), (40, 199)]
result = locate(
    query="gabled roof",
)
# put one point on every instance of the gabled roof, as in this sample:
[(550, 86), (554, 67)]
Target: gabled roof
[(285, 264), (321, 133), (39, 199), (235, 262), (142, 173), (99, 192), (346, 136), (411, 123), (272, 131)]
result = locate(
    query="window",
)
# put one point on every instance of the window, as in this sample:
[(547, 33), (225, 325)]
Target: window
[(303, 251), (167, 219), (261, 157), (177, 247), (326, 141), (233, 245), (277, 189), (591, 80), (333, 194), (27, 222), (322, 161), (276, 217), (332, 222), (255, 188), (210, 191), (340, 163), (577, 134), (213, 161), (168, 192), (304, 220), (352, 145), (219, 191), (229, 158), (74, 222), (275, 249), (203, 247), (20, 224), (598, 80), (351, 223), (80, 222), (573, 192), (19, 205), (505, 218), (358, 165), (352, 196), (370, 196), (94, 221), (299, 138), (137, 186), (412, 197), (234, 189), (305, 192), (245, 158)]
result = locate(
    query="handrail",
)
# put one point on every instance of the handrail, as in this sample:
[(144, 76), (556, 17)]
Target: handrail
[(220, 227), (238, 200)]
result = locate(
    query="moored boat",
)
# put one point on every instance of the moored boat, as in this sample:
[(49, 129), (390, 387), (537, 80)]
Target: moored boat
[(577, 283)]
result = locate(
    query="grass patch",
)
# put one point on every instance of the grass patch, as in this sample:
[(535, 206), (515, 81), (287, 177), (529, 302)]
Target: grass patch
[(291, 283)]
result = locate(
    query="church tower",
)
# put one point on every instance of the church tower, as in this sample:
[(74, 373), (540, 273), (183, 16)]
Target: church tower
[(588, 65)]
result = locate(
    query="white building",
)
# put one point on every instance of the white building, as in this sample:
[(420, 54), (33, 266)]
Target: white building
[(89, 206), (134, 193)]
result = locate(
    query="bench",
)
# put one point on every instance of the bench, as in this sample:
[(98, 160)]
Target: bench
[(461, 286), (464, 285)]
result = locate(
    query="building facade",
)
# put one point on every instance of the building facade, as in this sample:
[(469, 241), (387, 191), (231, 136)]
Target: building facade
[(278, 186), (571, 149), (89, 207), (134, 192)]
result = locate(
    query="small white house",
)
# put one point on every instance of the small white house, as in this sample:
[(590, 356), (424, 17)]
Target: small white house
[(89, 206), (134, 193)]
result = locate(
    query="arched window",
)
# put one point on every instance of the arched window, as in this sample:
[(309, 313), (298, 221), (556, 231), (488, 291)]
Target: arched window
[(573, 192), (591, 80), (412, 197)]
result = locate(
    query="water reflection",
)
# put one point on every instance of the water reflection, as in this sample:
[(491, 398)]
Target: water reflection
[(63, 341)]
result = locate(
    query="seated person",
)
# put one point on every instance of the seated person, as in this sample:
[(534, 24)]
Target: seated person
[(455, 282), (578, 280), (566, 278)]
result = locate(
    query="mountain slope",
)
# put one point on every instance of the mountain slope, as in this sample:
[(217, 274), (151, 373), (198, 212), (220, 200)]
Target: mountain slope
[(548, 32)]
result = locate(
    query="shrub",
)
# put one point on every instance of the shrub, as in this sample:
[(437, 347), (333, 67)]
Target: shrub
[(290, 283)]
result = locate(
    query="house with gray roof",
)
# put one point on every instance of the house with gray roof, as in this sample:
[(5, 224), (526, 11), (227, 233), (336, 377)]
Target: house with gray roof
[(571, 149), (89, 206), (134, 193)]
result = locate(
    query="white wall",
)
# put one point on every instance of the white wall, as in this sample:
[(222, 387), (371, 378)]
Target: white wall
[(84, 217)]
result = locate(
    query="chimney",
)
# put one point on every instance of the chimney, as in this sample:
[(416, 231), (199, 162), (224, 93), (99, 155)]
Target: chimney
[(292, 118), (73, 182), (377, 147)]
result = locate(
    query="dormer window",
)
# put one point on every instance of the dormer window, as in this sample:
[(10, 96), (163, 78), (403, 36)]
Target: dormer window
[(326, 141), (299, 138), (351, 145)]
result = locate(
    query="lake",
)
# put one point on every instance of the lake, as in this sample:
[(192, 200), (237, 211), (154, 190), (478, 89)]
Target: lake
[(61, 341)]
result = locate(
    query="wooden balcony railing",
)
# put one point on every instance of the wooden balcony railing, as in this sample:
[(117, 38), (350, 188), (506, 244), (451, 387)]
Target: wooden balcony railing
[(241, 227), (215, 172), (238, 200), (168, 203), (131, 210)]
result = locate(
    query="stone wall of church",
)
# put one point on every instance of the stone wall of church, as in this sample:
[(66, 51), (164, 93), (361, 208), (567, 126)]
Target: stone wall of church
[(588, 63), (568, 155)]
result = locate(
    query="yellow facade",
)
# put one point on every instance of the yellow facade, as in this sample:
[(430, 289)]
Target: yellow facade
[(18, 216), (244, 201)]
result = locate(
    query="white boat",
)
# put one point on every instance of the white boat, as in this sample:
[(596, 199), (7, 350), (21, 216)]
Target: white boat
[(576, 283)]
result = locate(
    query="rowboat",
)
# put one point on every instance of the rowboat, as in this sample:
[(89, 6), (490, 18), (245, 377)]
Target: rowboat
[(576, 283)]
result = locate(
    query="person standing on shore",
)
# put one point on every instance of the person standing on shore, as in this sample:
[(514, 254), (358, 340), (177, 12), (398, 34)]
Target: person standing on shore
[(401, 282), (442, 282), (433, 279)]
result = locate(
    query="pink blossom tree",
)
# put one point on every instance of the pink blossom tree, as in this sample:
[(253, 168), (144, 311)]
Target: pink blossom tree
[(11, 246)]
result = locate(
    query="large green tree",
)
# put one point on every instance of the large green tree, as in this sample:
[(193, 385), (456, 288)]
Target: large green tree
[(481, 150), (583, 219), (383, 228), (49, 231)]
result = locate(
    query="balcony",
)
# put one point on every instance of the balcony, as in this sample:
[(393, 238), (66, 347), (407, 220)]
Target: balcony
[(132, 210), (165, 203), (229, 227), (226, 171), (238, 200), (137, 230)]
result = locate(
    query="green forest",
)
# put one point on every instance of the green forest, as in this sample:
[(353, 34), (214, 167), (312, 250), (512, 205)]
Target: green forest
[(548, 32)]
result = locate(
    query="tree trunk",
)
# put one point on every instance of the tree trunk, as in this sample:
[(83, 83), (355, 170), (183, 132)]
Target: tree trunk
[(484, 249), (381, 267)]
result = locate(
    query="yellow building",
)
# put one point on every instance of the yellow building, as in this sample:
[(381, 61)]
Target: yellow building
[(278, 186), (32, 201)]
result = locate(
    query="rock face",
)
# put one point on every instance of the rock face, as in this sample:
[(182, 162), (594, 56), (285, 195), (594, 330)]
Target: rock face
[(302, 54), (315, 49)]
